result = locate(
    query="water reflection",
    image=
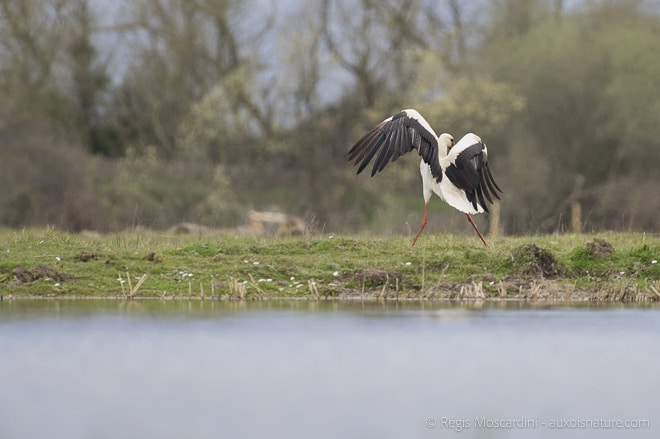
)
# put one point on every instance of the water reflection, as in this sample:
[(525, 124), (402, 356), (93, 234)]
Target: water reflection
[(171, 369), (34, 308)]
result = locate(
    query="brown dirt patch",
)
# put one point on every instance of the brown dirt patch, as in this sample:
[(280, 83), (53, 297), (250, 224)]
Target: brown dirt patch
[(531, 260), (600, 249), (375, 277), (24, 275), (86, 257)]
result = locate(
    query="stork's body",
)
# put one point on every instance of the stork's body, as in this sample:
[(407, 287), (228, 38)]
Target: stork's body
[(457, 173)]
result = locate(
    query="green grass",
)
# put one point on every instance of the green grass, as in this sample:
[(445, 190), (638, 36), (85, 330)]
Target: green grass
[(52, 263)]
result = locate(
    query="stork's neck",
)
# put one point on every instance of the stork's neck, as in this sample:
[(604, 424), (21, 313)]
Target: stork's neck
[(443, 150)]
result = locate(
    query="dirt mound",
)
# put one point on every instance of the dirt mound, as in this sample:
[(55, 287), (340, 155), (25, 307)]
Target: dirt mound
[(86, 257), (374, 277), (531, 260), (600, 249), (24, 275)]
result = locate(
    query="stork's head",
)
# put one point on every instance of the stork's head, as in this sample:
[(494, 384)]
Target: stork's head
[(446, 140)]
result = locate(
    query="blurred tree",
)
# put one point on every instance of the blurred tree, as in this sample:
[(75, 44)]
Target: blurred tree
[(28, 57), (376, 42), (89, 82), (222, 126), (589, 81), (55, 72), (181, 50), (41, 185)]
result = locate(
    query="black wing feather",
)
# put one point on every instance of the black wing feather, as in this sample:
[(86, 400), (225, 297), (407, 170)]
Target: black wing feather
[(393, 138), (384, 155), (491, 181), (483, 188), (470, 172), (357, 154), (370, 152)]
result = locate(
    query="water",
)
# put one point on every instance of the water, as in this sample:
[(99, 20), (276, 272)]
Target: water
[(104, 369)]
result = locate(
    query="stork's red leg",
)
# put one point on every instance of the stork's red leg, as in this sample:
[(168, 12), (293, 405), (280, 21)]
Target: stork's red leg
[(424, 218), (476, 229)]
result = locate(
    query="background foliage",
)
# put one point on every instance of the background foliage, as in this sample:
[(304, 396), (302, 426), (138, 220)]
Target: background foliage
[(155, 112)]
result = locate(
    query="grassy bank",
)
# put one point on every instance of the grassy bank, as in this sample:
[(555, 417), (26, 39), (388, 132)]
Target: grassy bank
[(51, 263)]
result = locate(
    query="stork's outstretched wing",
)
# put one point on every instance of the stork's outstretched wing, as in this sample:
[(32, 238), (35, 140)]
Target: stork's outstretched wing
[(468, 170), (394, 137)]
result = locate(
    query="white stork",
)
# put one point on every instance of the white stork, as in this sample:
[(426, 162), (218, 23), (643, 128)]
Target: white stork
[(458, 174)]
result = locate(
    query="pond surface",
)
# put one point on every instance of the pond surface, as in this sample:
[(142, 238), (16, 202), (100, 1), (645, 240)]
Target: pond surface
[(298, 369)]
